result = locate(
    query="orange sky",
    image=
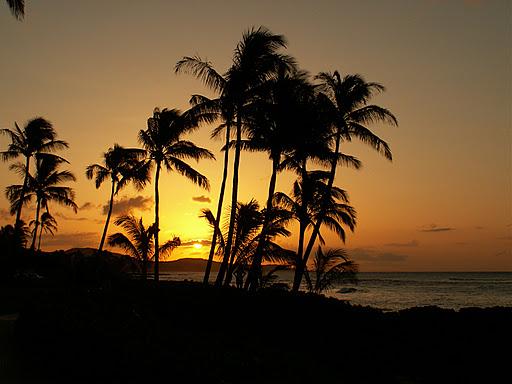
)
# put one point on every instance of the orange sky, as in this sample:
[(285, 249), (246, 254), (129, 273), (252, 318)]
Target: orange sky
[(97, 69)]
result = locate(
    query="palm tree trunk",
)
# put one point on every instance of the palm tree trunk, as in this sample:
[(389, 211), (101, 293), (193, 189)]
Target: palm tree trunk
[(299, 266), (234, 200), (23, 191), (216, 230), (318, 224), (229, 274), (145, 268), (255, 271), (157, 220), (40, 235), (38, 209), (105, 229)]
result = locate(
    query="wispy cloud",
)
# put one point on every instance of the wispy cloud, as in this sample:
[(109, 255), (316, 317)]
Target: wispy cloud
[(190, 243), (125, 205), (201, 199), (373, 256), (432, 228), (89, 205), (65, 217), (412, 243)]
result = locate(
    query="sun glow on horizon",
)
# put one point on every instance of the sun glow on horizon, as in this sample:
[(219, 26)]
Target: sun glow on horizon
[(197, 245)]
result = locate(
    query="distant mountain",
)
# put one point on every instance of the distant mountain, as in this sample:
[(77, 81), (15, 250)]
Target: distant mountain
[(187, 265), (87, 252)]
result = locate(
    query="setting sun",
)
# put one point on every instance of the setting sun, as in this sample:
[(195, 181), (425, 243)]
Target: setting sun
[(198, 246)]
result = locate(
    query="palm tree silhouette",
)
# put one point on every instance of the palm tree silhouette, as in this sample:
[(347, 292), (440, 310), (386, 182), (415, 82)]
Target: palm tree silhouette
[(48, 225), (220, 108), (255, 61), (164, 147), (312, 201), (120, 165), (37, 136), (17, 8), (44, 186), (139, 243), (349, 113), (331, 268)]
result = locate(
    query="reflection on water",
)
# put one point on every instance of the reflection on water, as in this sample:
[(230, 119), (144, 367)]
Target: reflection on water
[(399, 290)]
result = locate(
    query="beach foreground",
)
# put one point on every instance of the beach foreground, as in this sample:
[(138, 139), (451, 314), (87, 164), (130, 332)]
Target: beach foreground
[(131, 331)]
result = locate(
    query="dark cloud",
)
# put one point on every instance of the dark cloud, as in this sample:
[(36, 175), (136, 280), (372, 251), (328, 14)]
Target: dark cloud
[(373, 256), (65, 217), (479, 227), (70, 240), (89, 205), (505, 237), (202, 199), (126, 204), (432, 228), (192, 242), (412, 243)]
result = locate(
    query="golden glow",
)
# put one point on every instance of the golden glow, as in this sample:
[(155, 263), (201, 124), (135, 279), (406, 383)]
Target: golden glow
[(198, 246)]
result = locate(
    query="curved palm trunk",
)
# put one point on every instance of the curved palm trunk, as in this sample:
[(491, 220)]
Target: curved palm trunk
[(234, 199), (38, 209), (316, 230), (145, 267), (23, 192), (105, 229), (157, 221), (229, 275), (299, 266), (216, 230), (255, 272)]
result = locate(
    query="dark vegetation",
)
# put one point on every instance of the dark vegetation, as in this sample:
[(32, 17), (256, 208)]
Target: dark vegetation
[(187, 332)]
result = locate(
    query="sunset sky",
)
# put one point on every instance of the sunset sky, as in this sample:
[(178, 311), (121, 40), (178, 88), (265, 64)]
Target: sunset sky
[(97, 68)]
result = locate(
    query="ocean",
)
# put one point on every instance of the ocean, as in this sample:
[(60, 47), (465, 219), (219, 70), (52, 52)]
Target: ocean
[(401, 290)]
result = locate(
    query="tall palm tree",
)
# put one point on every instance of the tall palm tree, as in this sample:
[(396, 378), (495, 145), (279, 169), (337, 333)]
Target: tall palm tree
[(219, 108), (349, 111), (308, 205), (17, 8), (139, 243), (44, 186), (255, 61), (120, 165), (48, 225), (37, 136), (165, 147)]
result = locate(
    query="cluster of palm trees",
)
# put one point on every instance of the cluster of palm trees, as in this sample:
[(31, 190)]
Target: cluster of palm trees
[(163, 148), (37, 143), (265, 103)]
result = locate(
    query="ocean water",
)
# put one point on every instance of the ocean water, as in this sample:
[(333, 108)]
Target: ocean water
[(400, 290)]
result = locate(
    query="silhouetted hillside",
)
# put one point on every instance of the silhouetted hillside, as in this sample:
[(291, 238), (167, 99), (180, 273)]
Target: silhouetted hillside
[(187, 265)]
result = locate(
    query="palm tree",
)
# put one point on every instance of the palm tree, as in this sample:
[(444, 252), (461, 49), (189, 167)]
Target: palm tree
[(37, 136), (220, 108), (306, 205), (256, 60), (48, 225), (349, 113), (331, 268), (120, 165), (139, 243), (44, 186), (248, 222), (17, 8), (165, 147)]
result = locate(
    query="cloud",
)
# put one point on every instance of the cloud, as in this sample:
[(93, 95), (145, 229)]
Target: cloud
[(432, 228), (479, 227), (65, 217), (412, 243), (190, 243), (4, 214), (88, 205), (70, 240), (125, 205), (372, 256), (201, 199)]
